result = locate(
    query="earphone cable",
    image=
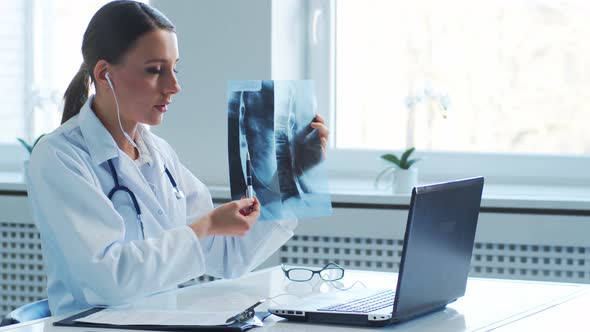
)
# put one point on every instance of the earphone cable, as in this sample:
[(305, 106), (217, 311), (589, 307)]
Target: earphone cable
[(119, 114)]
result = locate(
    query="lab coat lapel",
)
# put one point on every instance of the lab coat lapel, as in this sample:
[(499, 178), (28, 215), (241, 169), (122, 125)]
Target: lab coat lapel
[(174, 208), (150, 206)]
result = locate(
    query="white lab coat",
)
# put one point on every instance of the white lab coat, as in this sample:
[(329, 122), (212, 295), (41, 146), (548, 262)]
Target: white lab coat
[(92, 246)]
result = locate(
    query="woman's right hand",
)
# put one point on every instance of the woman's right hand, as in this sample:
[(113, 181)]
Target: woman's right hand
[(228, 219)]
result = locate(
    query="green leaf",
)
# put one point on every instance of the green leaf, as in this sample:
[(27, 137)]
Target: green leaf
[(406, 155), (391, 158), (25, 144), (37, 141), (411, 162)]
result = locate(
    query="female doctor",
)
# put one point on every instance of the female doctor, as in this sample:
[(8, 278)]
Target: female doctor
[(120, 217)]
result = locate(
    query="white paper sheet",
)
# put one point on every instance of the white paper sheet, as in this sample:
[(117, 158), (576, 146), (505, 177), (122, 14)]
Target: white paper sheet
[(156, 317)]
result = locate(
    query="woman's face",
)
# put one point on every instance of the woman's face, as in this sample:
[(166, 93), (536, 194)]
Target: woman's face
[(145, 79)]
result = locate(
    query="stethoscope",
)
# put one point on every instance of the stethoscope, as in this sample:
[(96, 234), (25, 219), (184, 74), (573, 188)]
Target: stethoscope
[(177, 192), (118, 187)]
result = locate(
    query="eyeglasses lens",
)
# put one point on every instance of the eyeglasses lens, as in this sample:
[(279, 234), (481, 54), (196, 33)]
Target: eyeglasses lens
[(332, 273), (300, 274)]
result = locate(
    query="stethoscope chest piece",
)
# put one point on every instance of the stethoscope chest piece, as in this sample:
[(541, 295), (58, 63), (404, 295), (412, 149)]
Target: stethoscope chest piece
[(178, 193)]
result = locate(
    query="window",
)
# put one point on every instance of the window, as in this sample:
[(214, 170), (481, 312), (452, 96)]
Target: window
[(41, 43), (494, 87), (513, 74)]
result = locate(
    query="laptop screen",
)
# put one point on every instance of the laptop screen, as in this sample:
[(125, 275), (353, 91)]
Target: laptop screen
[(439, 238)]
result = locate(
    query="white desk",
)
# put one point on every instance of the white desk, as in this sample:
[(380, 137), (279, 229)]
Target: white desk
[(569, 316), (487, 304)]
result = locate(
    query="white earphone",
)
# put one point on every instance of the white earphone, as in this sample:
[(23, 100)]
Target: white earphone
[(118, 112), (109, 80)]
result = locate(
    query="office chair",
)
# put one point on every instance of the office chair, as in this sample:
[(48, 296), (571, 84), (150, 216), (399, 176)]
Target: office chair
[(27, 312)]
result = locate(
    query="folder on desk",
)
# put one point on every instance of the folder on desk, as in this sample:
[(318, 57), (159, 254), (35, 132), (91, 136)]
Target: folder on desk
[(77, 320)]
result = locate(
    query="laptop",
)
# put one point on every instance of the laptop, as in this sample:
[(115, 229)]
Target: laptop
[(435, 263)]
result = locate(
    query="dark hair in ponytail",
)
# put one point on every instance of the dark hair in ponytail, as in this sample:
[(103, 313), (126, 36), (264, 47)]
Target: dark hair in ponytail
[(112, 31)]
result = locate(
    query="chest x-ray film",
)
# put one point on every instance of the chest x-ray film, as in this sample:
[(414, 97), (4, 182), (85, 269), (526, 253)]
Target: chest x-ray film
[(270, 121)]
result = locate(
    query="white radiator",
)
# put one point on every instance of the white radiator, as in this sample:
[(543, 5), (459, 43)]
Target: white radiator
[(22, 279), (492, 260), (513, 246)]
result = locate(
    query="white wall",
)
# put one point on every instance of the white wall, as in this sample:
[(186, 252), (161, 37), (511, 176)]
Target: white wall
[(218, 41)]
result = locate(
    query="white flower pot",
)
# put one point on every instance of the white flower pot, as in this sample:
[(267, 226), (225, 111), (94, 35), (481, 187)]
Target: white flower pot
[(404, 180)]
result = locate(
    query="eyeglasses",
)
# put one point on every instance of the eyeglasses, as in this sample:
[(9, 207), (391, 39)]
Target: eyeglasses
[(330, 272)]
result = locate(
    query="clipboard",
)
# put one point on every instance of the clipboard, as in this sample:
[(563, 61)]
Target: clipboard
[(235, 326)]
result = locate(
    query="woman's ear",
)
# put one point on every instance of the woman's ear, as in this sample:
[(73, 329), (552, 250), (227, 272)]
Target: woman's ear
[(100, 70)]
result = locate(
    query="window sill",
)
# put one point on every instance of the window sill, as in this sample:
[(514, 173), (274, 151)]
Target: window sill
[(12, 182), (496, 197), (349, 193)]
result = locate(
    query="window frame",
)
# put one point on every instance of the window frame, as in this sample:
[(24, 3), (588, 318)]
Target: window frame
[(364, 165)]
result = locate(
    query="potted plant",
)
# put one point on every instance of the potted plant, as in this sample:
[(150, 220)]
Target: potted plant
[(405, 177), (29, 147)]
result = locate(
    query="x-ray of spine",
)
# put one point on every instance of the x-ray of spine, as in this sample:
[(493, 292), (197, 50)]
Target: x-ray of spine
[(271, 120)]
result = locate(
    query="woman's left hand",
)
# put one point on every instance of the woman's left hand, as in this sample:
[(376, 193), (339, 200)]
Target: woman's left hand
[(320, 125)]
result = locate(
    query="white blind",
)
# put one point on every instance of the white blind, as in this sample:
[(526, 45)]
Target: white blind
[(12, 60), (40, 52)]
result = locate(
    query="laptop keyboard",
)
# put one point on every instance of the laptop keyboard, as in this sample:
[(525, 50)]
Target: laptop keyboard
[(366, 304)]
